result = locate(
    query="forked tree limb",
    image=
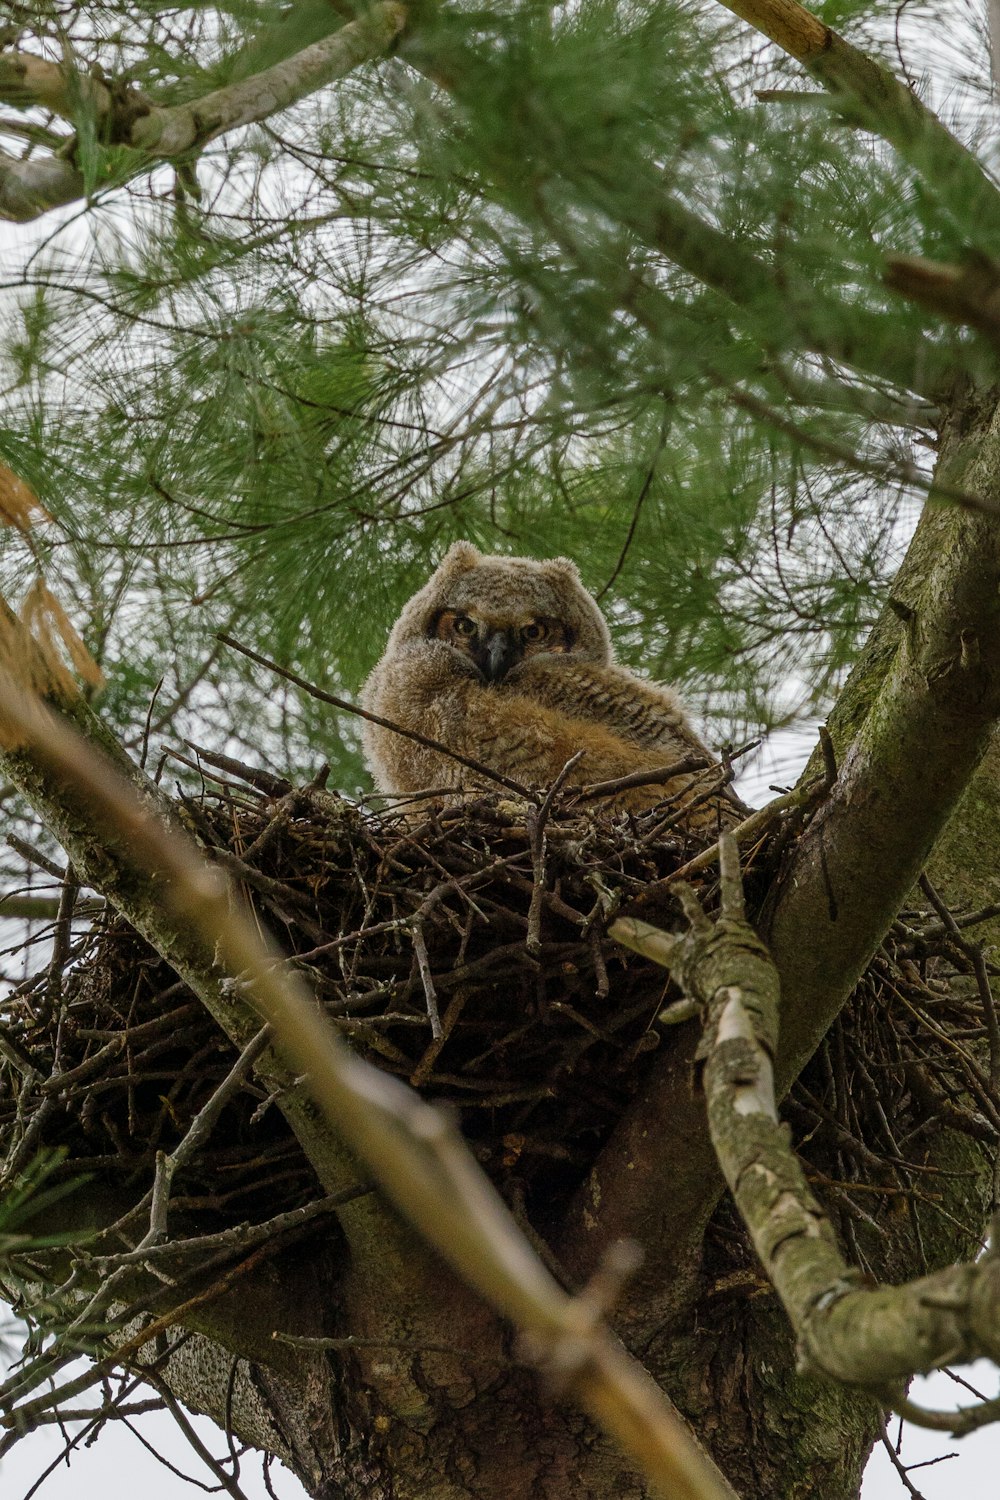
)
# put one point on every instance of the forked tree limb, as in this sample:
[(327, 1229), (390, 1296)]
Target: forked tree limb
[(876, 1338), (157, 133)]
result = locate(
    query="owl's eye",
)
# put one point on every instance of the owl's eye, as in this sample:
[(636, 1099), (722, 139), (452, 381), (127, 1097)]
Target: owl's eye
[(537, 630), (462, 625)]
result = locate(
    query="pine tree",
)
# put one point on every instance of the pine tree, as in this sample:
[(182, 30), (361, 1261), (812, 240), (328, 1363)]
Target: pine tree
[(296, 295)]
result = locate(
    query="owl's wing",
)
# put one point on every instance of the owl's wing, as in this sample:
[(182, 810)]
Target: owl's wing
[(647, 720), (648, 714), (430, 688)]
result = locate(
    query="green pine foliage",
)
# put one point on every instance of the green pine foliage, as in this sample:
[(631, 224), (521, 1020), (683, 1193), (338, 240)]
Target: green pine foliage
[(557, 279)]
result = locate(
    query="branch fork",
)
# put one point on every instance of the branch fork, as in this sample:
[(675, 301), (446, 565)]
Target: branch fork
[(875, 1337)]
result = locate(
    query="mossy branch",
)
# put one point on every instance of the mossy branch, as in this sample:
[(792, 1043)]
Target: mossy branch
[(875, 1338), (924, 712)]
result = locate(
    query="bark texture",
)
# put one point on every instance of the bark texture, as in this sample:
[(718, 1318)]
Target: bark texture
[(434, 1402)]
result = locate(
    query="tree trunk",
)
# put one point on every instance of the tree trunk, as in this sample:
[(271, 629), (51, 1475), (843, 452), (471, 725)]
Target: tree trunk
[(431, 1400)]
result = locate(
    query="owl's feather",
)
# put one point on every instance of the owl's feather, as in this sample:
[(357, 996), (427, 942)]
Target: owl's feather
[(516, 706)]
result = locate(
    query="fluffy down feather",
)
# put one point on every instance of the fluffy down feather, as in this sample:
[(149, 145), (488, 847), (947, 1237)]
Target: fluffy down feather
[(508, 661)]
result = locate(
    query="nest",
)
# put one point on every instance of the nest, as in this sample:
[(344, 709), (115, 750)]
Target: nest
[(464, 950)]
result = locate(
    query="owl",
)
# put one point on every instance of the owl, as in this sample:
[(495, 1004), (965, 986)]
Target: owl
[(508, 661)]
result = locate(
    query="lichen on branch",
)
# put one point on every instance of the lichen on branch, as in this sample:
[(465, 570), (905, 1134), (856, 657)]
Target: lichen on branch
[(876, 1338)]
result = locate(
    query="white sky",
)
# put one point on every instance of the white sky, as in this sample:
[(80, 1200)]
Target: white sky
[(118, 1467)]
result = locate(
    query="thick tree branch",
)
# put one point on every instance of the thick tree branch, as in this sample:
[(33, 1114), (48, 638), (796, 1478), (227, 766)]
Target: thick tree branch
[(160, 133), (166, 133), (930, 696), (910, 760), (875, 1338), (31, 187)]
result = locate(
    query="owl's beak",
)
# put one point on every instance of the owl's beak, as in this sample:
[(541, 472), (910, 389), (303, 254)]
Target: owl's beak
[(497, 654)]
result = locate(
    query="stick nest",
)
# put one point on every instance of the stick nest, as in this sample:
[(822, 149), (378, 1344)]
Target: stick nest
[(464, 950)]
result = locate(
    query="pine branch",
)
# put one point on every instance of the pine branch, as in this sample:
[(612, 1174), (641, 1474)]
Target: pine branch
[(868, 343), (790, 315), (867, 94), (164, 133)]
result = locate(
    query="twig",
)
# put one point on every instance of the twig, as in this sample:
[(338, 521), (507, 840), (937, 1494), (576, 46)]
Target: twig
[(240, 1237), (36, 857), (168, 1163), (425, 1066), (536, 822), (757, 823), (147, 726), (661, 443), (362, 713), (641, 778), (61, 940), (226, 1480), (974, 953), (264, 781), (426, 979), (900, 1468)]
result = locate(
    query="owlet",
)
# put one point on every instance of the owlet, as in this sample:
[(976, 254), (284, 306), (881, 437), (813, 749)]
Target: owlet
[(508, 661)]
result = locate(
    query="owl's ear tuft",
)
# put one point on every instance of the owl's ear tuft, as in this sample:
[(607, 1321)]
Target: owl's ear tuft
[(459, 558), (564, 565)]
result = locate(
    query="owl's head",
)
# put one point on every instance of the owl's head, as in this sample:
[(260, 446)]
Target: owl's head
[(502, 609)]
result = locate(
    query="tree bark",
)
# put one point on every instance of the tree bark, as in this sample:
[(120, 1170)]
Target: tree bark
[(435, 1403)]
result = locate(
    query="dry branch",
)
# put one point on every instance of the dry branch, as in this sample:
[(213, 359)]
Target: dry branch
[(411, 1148)]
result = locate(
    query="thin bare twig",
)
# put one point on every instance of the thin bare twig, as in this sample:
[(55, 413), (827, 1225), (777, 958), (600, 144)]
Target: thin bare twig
[(363, 713), (536, 822), (640, 778)]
